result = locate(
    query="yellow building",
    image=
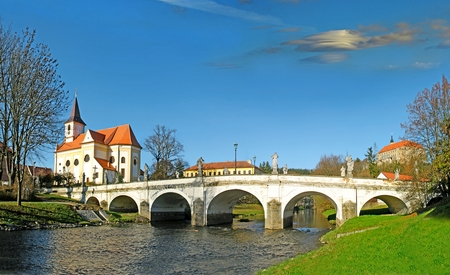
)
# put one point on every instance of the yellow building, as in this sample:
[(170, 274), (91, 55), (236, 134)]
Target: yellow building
[(399, 151), (97, 156), (243, 167)]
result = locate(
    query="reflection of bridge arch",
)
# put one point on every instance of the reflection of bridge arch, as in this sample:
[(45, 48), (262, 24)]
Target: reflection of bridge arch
[(395, 203), (220, 208), (123, 204), (288, 208), (170, 205)]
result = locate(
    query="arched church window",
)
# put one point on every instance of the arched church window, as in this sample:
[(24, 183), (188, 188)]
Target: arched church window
[(112, 159), (68, 129), (76, 162), (122, 160), (134, 161), (67, 163), (86, 158)]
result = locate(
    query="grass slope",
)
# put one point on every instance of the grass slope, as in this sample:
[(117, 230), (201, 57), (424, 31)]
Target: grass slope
[(37, 212), (413, 244)]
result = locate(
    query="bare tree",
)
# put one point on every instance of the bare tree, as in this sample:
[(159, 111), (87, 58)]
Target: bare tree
[(329, 165), (166, 150), (428, 124), (32, 101)]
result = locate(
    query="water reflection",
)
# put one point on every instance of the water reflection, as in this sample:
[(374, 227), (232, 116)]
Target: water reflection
[(163, 248), (310, 219)]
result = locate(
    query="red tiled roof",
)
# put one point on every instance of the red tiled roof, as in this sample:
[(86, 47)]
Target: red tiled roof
[(222, 165), (120, 135), (105, 164), (399, 144), (391, 176)]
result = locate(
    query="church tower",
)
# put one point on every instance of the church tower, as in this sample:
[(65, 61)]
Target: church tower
[(74, 126)]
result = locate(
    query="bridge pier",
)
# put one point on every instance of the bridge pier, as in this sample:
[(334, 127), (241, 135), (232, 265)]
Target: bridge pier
[(198, 213), (273, 217)]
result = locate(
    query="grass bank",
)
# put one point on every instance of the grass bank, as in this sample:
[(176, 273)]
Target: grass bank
[(386, 244), (248, 211), (51, 211), (37, 214)]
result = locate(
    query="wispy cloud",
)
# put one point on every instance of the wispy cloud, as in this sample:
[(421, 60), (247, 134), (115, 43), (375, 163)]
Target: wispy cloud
[(213, 7), (327, 58), (426, 65), (348, 40)]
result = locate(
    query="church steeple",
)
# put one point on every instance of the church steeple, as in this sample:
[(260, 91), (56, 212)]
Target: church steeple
[(392, 139), (74, 126)]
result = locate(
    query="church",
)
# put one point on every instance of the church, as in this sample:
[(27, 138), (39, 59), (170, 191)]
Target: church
[(99, 157)]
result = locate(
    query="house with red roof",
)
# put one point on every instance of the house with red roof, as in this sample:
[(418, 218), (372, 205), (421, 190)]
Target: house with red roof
[(97, 156), (241, 167), (399, 151)]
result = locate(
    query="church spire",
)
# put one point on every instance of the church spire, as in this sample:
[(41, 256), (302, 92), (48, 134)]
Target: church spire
[(392, 139), (74, 126), (75, 114)]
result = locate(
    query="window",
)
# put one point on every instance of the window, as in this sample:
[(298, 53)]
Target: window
[(112, 159), (134, 161), (122, 160), (87, 158), (76, 162), (68, 163), (68, 129), (122, 172)]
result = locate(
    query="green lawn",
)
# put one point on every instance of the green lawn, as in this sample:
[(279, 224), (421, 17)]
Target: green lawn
[(386, 244), (247, 210), (37, 212)]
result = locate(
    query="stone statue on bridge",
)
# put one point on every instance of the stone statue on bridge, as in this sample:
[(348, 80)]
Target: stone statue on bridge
[(397, 174), (342, 171), (275, 164), (200, 162), (350, 164), (146, 172), (285, 169)]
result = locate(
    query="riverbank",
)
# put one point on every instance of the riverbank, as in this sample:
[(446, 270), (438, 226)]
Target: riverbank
[(386, 244), (53, 212)]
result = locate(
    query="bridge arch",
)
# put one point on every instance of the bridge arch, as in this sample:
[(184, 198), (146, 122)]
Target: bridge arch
[(220, 207), (123, 204), (288, 208), (394, 202), (170, 205), (93, 200)]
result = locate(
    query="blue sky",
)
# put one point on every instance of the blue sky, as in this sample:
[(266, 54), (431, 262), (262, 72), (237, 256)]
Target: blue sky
[(300, 78)]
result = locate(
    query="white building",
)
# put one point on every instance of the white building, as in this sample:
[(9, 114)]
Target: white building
[(98, 156)]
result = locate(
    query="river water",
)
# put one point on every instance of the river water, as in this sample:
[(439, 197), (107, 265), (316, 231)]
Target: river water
[(163, 248)]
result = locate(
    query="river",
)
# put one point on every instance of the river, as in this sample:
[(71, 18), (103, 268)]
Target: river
[(163, 248)]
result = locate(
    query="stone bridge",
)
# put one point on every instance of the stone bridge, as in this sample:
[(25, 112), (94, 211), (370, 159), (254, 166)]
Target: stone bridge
[(210, 200)]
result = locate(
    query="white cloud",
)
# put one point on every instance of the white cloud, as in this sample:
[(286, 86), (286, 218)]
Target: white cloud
[(426, 65), (213, 7), (348, 40), (327, 58)]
